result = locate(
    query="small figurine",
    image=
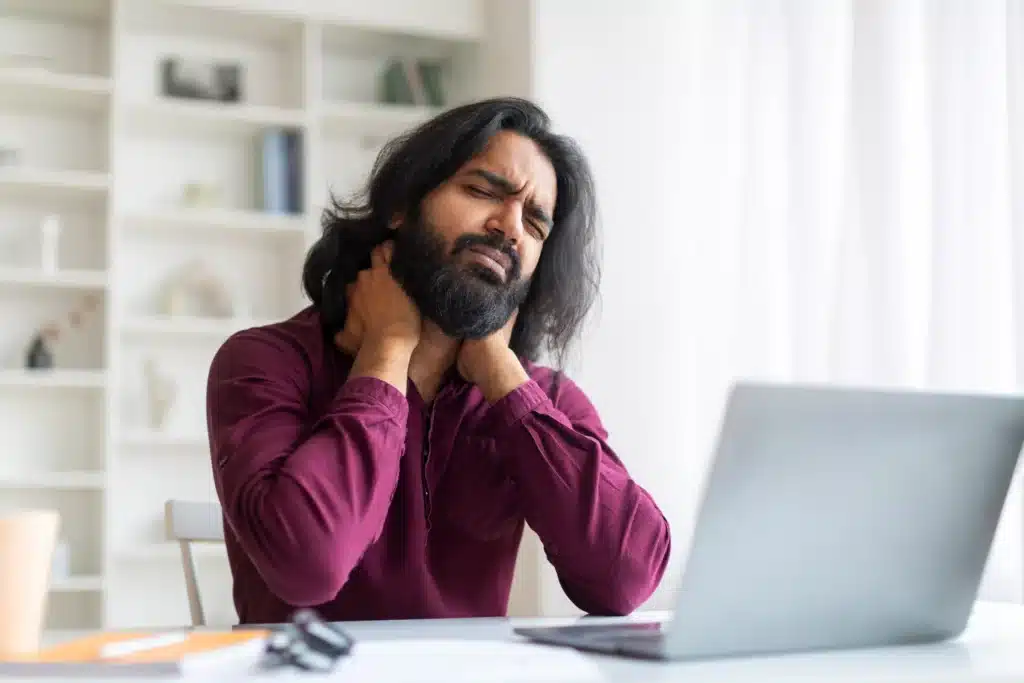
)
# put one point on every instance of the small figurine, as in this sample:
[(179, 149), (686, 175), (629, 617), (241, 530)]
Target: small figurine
[(195, 290), (162, 392), (39, 356)]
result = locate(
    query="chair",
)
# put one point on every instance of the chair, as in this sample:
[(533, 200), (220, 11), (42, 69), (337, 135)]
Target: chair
[(191, 522)]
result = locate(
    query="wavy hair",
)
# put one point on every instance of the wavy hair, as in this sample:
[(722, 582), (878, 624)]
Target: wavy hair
[(566, 281)]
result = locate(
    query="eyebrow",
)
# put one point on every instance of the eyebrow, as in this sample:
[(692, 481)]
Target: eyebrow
[(508, 187)]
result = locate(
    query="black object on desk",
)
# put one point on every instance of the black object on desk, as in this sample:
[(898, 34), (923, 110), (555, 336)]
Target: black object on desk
[(308, 643)]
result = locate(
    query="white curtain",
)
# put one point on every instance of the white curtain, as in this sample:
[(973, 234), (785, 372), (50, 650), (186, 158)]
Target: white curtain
[(854, 172)]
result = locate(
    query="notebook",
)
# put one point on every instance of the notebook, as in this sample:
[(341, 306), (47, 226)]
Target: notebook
[(142, 654)]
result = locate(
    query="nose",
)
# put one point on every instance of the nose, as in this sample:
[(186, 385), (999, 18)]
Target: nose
[(508, 220)]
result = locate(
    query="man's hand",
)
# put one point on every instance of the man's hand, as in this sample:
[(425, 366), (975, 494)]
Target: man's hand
[(490, 364), (382, 327)]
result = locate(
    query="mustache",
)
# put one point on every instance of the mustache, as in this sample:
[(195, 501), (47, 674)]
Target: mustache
[(493, 241)]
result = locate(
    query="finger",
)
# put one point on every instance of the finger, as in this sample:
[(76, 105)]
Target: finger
[(388, 248), (377, 257)]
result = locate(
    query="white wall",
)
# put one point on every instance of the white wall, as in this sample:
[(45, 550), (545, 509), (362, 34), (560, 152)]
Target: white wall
[(628, 85), (607, 77)]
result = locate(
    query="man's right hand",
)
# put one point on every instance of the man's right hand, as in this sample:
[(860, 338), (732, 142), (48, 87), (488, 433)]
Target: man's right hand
[(383, 324)]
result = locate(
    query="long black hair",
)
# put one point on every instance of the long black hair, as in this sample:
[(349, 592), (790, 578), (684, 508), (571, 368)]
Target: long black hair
[(566, 281)]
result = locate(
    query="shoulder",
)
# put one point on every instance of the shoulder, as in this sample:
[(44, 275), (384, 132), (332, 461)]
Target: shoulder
[(290, 350)]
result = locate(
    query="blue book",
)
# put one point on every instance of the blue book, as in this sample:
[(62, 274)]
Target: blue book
[(274, 173)]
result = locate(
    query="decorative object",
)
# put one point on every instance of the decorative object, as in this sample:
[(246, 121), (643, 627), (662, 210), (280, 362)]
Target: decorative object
[(161, 393), (61, 570), (196, 291), (412, 82), (49, 242), (40, 355), (9, 156), (196, 80), (201, 195)]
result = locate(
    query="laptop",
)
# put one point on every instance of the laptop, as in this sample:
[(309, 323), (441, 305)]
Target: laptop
[(833, 518)]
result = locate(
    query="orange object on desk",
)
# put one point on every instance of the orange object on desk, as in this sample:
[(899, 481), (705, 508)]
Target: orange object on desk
[(140, 653)]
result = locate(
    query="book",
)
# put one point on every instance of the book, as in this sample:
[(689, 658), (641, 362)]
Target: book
[(118, 654), (412, 82), (293, 171), (272, 172)]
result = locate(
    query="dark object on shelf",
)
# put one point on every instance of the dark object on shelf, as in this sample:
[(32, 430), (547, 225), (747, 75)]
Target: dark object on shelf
[(39, 356), (306, 643), (412, 82), (194, 80)]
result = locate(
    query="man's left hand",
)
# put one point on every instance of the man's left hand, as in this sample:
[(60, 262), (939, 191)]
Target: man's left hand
[(490, 364)]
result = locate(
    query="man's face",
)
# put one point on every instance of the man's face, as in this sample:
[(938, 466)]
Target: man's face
[(467, 258)]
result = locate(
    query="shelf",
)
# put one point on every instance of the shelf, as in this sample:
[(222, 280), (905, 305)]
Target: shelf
[(78, 584), (152, 439), (373, 119), (163, 552), (184, 116), (35, 88), (404, 22), (62, 279), (45, 185), (185, 327), (53, 379), (256, 21), (216, 221), (77, 10), (68, 481)]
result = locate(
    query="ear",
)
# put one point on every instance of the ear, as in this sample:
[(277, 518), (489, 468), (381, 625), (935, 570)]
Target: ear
[(396, 220)]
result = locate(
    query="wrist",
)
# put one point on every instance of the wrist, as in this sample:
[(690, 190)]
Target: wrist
[(386, 361), (503, 378), (389, 347)]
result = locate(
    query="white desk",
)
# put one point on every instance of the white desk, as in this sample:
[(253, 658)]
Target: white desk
[(992, 649)]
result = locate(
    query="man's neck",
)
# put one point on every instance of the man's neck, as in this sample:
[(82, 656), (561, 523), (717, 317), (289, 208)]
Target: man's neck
[(434, 355)]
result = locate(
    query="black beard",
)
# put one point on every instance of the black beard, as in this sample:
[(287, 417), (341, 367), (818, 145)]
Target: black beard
[(465, 301)]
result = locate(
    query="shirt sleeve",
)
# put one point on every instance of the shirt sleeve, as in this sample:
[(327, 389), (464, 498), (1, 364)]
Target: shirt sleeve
[(305, 499), (606, 538)]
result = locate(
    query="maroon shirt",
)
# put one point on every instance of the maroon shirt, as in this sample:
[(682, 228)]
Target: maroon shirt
[(349, 497)]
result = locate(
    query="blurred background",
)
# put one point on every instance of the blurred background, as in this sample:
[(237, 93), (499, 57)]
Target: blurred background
[(798, 190)]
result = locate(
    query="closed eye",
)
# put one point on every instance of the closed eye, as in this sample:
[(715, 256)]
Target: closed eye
[(538, 228), (479, 192)]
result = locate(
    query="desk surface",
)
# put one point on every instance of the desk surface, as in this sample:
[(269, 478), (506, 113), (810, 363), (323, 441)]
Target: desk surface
[(992, 649)]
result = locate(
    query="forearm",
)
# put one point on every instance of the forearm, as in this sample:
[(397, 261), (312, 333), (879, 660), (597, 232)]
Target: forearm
[(604, 534), (305, 517), (606, 538), (384, 359)]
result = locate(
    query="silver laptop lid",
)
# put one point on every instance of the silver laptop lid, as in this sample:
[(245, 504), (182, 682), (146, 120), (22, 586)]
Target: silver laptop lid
[(841, 517)]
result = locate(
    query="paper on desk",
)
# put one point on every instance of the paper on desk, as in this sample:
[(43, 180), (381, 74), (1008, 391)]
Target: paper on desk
[(472, 661)]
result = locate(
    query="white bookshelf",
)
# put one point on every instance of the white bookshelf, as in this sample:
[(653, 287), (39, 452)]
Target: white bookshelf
[(101, 148)]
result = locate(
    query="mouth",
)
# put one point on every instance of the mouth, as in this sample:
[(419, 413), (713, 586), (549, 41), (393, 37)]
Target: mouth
[(490, 258)]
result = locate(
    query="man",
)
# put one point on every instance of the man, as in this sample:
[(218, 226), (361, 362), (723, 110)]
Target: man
[(377, 455)]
